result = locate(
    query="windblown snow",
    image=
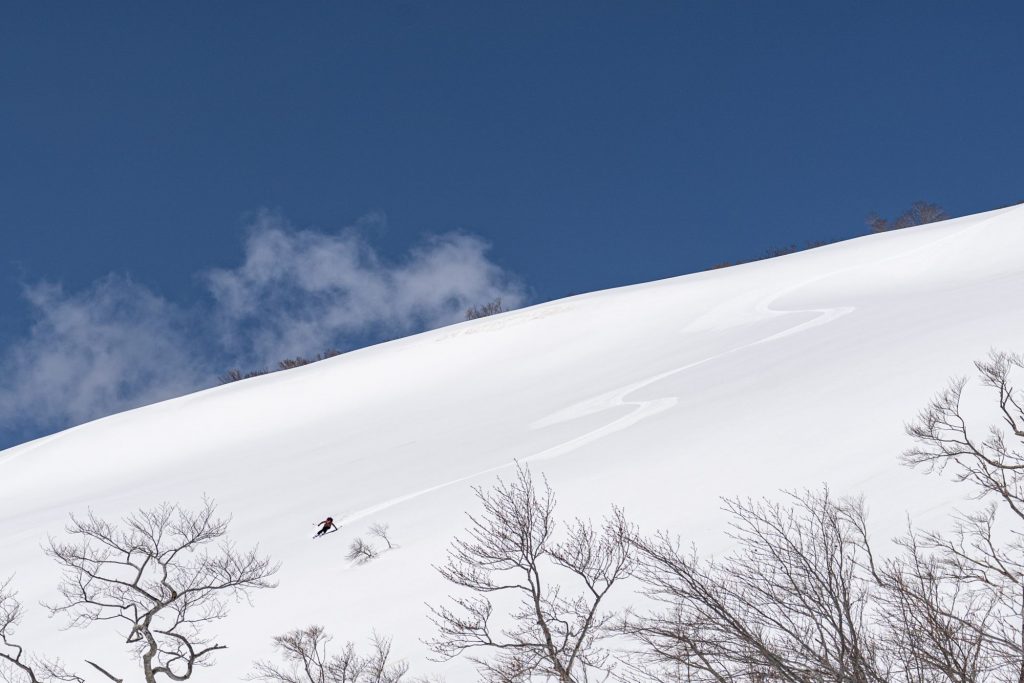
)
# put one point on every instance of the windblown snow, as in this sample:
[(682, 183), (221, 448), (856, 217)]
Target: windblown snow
[(659, 398)]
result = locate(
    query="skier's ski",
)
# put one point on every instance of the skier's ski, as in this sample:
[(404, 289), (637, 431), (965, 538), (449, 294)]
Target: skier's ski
[(326, 534)]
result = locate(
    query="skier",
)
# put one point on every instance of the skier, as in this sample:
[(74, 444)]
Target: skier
[(326, 526)]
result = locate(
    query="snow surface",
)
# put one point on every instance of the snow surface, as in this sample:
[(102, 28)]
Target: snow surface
[(659, 398)]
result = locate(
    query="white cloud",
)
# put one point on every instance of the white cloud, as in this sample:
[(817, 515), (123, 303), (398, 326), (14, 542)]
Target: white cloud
[(109, 348), (117, 345), (298, 291)]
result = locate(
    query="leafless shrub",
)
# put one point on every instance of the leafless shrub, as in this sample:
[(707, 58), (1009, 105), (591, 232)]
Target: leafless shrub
[(773, 252), (876, 223), (157, 575), (781, 251), (492, 308), (234, 375), (308, 659), (299, 361), (919, 213), (361, 552), (510, 550), (383, 532)]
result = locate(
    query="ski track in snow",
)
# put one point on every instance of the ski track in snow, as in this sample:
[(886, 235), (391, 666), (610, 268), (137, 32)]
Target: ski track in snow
[(642, 410), (616, 398)]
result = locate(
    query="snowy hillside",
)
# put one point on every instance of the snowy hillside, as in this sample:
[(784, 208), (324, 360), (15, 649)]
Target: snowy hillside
[(659, 397)]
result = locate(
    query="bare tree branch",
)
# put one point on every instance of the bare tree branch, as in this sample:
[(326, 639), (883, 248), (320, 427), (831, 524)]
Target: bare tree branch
[(307, 659), (383, 532), (790, 604), (361, 552), (510, 550), (157, 575), (31, 669)]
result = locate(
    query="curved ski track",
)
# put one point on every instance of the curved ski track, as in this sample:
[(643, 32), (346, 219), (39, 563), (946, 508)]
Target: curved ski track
[(644, 409)]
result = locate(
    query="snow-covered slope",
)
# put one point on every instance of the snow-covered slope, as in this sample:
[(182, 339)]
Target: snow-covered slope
[(659, 398)]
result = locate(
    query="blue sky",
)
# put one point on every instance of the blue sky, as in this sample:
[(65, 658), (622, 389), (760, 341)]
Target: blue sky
[(435, 153)]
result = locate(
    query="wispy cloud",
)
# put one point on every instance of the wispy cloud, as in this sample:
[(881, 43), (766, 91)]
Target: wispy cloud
[(298, 290), (117, 345), (108, 348)]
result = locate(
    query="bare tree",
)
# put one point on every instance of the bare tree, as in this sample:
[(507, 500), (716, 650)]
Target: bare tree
[(935, 625), (492, 308), (15, 664), (803, 599), (157, 575), (990, 461), (919, 213), (232, 375), (299, 361), (361, 552), (982, 559), (235, 375), (308, 659), (774, 252), (510, 550), (383, 532), (789, 604), (876, 223)]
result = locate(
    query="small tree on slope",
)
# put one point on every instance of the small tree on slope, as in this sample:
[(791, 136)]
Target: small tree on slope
[(157, 575), (551, 631)]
